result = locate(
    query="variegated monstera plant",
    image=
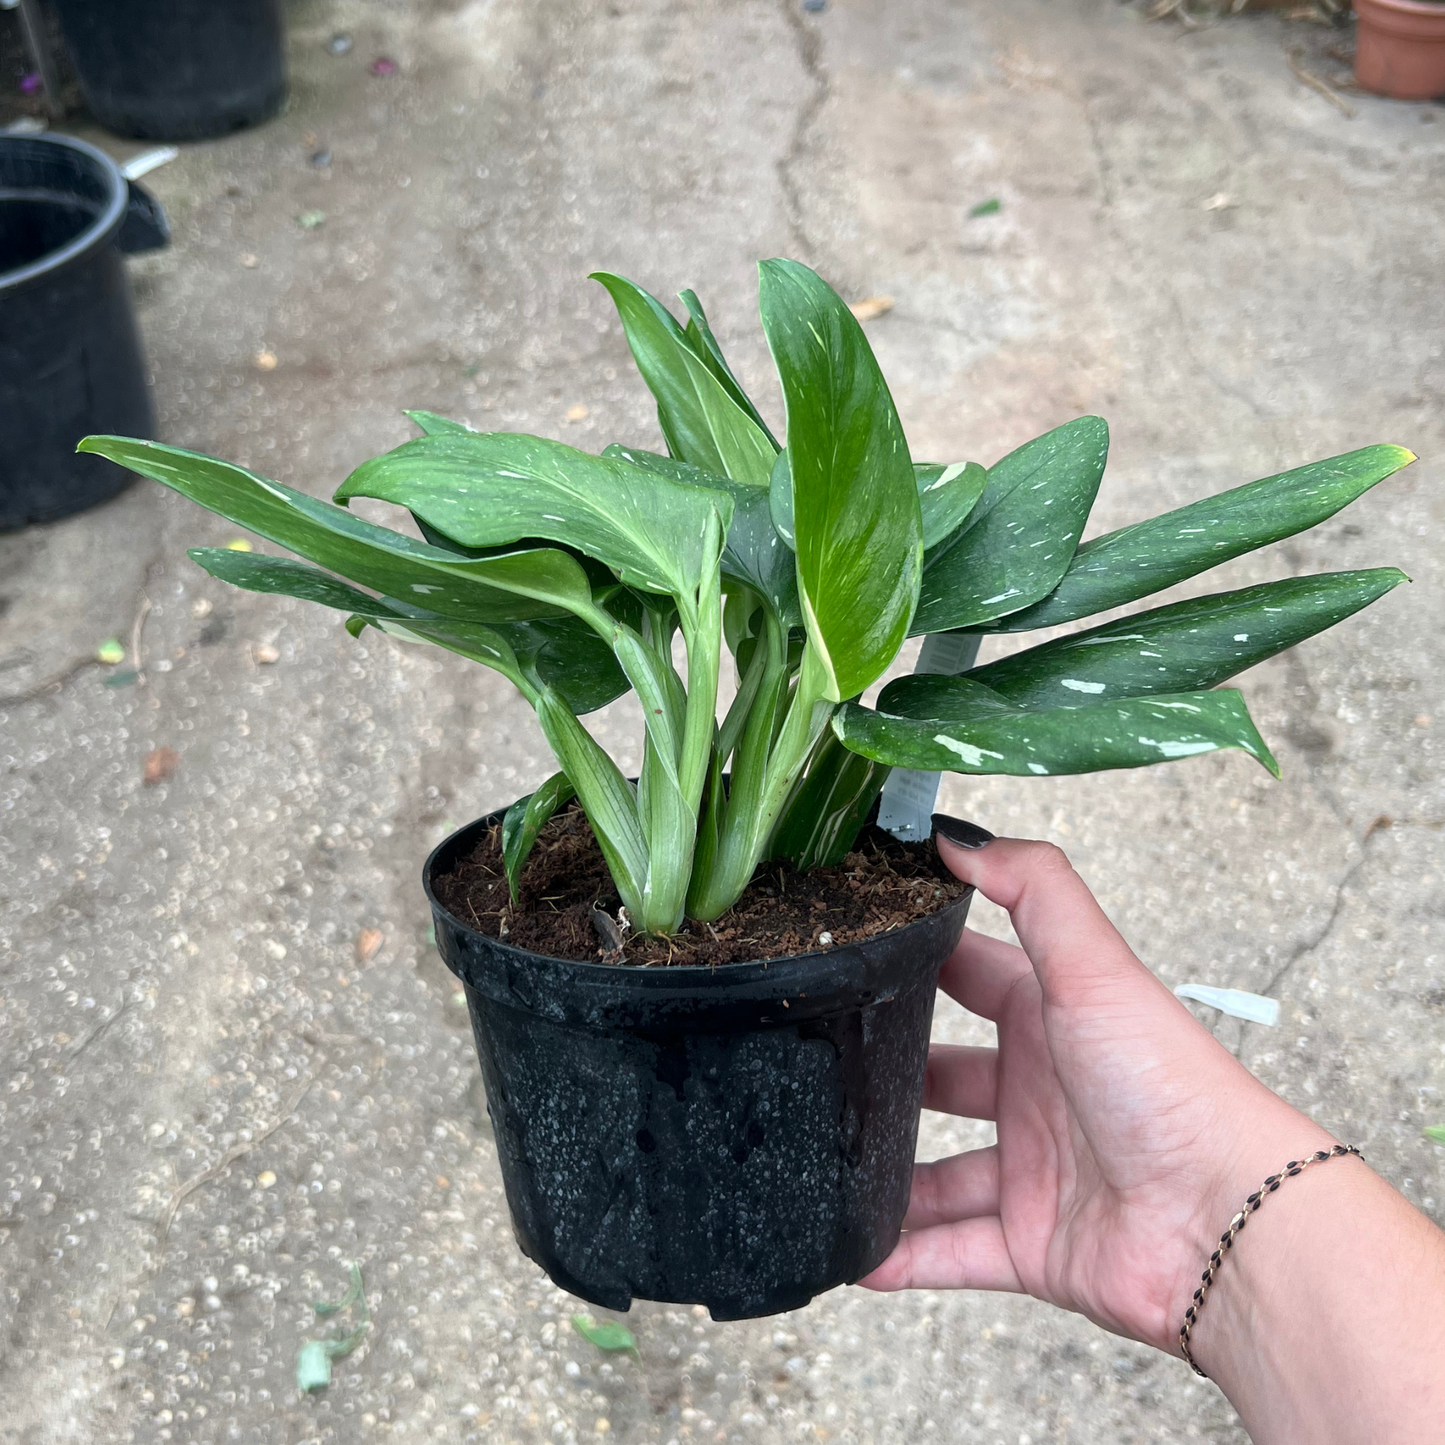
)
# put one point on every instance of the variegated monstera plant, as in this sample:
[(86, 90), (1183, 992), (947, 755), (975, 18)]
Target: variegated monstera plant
[(812, 561)]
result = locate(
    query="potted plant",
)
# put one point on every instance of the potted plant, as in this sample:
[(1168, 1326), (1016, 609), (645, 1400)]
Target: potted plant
[(1400, 48), (702, 999)]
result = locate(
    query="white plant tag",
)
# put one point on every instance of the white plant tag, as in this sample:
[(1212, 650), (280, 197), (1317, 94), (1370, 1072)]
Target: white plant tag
[(1252, 1007), (906, 807)]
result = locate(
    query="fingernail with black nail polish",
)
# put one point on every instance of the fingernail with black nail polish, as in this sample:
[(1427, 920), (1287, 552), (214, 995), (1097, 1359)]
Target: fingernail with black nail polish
[(956, 830)]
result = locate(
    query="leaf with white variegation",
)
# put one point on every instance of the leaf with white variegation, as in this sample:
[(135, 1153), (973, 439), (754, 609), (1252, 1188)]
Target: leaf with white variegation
[(702, 423), (606, 796), (1020, 537), (525, 819), (754, 553), (1149, 556), (1178, 648), (342, 542), (857, 525), (972, 729), (947, 495), (558, 651), (700, 336), (494, 488)]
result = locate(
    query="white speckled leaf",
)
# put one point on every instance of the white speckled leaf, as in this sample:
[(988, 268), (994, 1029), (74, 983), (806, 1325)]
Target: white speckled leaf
[(342, 542), (1019, 539), (1188, 645), (490, 489), (700, 419), (858, 529), (1149, 556), (754, 553), (946, 495), (974, 730)]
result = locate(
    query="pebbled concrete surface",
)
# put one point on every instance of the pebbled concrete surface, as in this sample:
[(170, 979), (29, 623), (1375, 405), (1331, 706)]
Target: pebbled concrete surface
[(180, 965)]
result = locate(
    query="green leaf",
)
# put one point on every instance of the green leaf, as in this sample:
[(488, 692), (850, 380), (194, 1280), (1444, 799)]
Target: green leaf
[(780, 499), (607, 1335), (946, 494), (859, 531), (434, 425), (111, 651), (829, 803), (525, 819), (1182, 647), (490, 489), (754, 554), (606, 797), (1019, 539), (336, 539), (1152, 555), (974, 730), (701, 421), (1435, 1133), (704, 343), (560, 651)]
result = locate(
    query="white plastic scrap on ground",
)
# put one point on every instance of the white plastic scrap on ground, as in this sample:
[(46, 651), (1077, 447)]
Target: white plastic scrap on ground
[(1252, 1007)]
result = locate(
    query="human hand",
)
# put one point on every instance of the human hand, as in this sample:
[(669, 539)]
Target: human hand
[(1127, 1135)]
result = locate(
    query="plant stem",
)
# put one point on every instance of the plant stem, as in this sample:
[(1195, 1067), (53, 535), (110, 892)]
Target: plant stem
[(763, 776)]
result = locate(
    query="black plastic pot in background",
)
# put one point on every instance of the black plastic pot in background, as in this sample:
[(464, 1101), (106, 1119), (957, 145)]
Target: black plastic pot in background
[(70, 354), (176, 69), (739, 1137)]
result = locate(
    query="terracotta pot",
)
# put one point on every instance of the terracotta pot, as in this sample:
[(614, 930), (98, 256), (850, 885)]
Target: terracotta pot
[(1400, 48)]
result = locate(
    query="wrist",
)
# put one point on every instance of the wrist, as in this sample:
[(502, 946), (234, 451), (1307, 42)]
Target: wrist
[(1323, 1320), (1277, 1134)]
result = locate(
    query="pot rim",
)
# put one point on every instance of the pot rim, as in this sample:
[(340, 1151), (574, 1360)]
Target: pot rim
[(95, 235), (652, 976)]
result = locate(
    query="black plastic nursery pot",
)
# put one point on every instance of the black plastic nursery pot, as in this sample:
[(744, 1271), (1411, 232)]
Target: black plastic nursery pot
[(739, 1137), (70, 354), (176, 69)]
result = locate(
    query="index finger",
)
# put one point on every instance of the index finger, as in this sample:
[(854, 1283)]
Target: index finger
[(1066, 935)]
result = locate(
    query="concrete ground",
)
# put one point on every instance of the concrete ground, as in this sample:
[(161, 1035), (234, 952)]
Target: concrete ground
[(183, 962)]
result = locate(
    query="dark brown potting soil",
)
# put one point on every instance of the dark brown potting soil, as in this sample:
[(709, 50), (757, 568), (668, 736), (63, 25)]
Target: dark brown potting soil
[(883, 884)]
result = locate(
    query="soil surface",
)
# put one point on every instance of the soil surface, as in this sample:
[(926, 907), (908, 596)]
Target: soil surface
[(882, 885)]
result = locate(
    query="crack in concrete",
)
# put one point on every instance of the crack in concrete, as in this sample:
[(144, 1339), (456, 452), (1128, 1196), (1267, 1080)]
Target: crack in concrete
[(57, 681), (1307, 946), (810, 49)]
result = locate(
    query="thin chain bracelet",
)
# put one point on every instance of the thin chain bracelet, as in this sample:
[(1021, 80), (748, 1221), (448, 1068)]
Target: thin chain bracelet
[(1226, 1240)]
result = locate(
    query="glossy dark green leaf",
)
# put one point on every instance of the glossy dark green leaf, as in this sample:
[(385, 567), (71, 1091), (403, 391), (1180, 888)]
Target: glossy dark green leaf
[(829, 803), (974, 730), (434, 425), (286, 577), (336, 539), (561, 651), (701, 421), (1184, 646), (754, 554), (946, 495), (700, 337), (1018, 540), (606, 796), (525, 819), (1148, 556), (856, 517), (491, 489)]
